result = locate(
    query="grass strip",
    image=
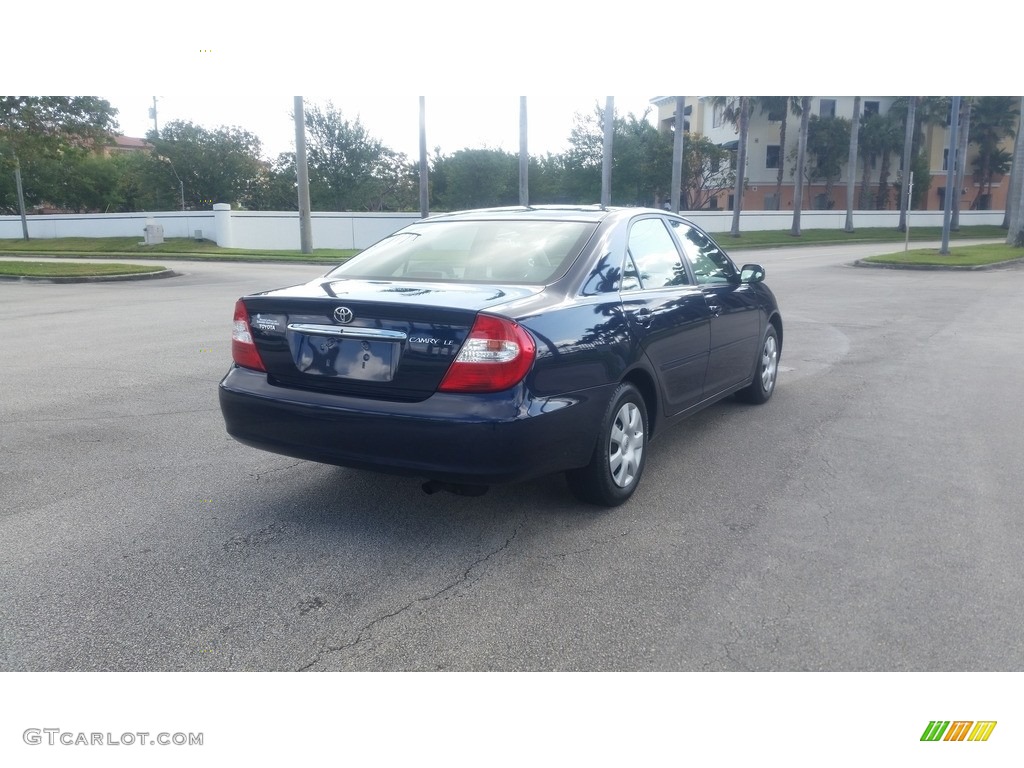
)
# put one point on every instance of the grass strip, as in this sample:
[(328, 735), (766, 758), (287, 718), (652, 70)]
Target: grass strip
[(115, 247), (782, 238), (964, 256), (64, 269)]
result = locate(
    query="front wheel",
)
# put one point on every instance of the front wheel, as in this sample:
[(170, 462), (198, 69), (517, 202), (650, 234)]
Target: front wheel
[(618, 461), (766, 372)]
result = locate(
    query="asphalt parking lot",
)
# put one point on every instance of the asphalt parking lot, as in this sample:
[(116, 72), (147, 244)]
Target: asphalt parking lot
[(867, 518)]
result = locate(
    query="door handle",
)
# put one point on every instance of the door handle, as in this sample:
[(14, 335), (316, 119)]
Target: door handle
[(716, 309), (644, 317)]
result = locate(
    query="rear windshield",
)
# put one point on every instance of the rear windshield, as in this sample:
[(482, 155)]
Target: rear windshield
[(473, 251)]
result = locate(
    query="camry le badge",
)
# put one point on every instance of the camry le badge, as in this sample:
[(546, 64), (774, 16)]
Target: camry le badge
[(343, 315)]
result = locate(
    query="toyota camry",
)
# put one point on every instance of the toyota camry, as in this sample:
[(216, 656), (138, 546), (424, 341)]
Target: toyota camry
[(499, 345)]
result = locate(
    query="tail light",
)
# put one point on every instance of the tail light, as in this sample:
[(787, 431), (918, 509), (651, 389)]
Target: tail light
[(243, 348), (495, 356)]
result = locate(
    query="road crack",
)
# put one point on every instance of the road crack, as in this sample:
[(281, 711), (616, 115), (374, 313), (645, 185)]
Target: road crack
[(365, 632)]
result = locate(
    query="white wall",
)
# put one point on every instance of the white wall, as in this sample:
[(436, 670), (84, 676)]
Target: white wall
[(752, 221), (280, 230), (175, 224)]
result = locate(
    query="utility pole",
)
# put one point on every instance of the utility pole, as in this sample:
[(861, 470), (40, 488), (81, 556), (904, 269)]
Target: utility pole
[(524, 157), (152, 115), (606, 162), (21, 197), (906, 221), (954, 119), (424, 186), (677, 154), (305, 220)]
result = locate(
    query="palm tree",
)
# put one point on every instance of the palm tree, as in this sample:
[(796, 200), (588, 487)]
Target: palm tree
[(889, 138), (1015, 222), (779, 108), (801, 161), (851, 166), (908, 152), (1016, 182), (879, 136), (736, 110), (961, 158), (995, 119)]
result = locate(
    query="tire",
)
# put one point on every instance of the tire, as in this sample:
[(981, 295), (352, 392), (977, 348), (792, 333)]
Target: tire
[(618, 461), (766, 371)]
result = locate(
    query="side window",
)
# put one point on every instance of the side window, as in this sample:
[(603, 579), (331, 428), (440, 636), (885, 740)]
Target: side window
[(654, 255), (709, 262)]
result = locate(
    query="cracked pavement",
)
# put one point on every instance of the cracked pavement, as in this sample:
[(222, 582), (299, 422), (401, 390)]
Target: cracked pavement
[(866, 519)]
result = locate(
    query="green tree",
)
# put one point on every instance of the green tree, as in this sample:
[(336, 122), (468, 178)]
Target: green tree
[(350, 170), (475, 178), (277, 186), (41, 134), (641, 160), (993, 120), (926, 111), (889, 134), (207, 166), (706, 172), (828, 142), (872, 143)]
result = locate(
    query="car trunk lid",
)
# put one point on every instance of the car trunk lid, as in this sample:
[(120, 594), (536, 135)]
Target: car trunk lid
[(369, 338)]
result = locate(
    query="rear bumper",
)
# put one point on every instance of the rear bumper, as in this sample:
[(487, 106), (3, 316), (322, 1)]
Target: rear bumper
[(475, 439)]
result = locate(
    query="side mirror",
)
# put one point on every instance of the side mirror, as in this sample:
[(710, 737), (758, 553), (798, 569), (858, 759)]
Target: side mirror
[(751, 273)]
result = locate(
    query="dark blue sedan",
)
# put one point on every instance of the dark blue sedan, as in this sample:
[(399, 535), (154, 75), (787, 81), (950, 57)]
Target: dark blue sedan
[(499, 345)]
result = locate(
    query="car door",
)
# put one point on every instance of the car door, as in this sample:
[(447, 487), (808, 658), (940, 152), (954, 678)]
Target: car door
[(734, 310), (667, 313)]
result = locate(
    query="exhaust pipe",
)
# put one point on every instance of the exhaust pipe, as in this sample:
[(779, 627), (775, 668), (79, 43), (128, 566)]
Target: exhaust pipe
[(459, 489)]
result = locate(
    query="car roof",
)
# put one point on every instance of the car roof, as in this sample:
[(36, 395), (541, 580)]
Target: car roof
[(593, 213)]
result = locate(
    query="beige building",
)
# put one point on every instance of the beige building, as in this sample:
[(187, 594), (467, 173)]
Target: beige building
[(765, 155)]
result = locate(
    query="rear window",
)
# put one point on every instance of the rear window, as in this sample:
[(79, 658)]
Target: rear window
[(473, 251)]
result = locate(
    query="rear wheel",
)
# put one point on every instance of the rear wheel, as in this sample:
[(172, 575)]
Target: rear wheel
[(762, 385), (618, 461)]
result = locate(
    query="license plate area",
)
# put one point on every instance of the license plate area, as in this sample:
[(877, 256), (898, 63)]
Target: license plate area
[(354, 359)]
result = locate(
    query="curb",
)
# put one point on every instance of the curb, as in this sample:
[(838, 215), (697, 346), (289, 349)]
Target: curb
[(938, 267), (90, 278)]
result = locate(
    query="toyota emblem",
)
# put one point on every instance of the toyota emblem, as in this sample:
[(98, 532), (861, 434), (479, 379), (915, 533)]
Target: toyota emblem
[(343, 315)]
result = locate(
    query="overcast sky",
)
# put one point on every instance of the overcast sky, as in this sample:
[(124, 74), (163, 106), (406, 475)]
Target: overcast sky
[(453, 122), (222, 64)]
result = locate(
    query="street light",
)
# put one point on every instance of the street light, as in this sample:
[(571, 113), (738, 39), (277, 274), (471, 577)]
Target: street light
[(181, 184)]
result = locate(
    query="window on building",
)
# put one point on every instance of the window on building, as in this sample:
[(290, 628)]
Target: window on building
[(827, 108), (771, 202), (773, 156), (870, 108), (732, 202), (945, 159), (717, 116)]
